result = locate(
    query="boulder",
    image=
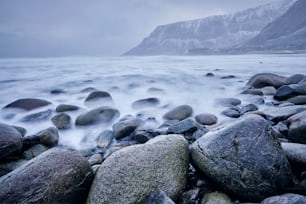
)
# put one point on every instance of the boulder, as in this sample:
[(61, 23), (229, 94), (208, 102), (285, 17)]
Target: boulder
[(228, 102), (248, 108), (36, 117), (244, 159), (266, 79), (56, 176), (158, 197), (184, 126), (125, 128), (233, 112), (28, 104), (129, 175), (216, 198), (277, 114), (297, 127), (296, 154), (294, 79), (66, 107), (285, 92), (288, 198), (98, 95), (10, 141), (298, 100), (48, 137), (104, 114), (301, 88), (206, 119), (179, 113), (61, 121), (144, 103)]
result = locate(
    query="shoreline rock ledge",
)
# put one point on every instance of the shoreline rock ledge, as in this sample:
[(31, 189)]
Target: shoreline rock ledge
[(129, 175), (244, 159)]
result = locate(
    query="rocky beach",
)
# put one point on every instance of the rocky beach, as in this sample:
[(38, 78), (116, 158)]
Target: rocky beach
[(229, 131)]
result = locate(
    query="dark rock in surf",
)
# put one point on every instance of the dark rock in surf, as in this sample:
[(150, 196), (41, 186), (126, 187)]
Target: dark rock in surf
[(104, 139), (28, 104), (295, 79), (301, 88), (104, 114), (298, 100), (266, 79), (10, 141), (34, 151), (297, 127), (257, 92), (145, 103), (228, 77), (228, 102), (179, 113), (56, 176), (57, 91), (244, 159), (184, 126), (206, 119), (288, 198), (248, 108), (88, 89), (296, 154), (66, 107), (36, 117), (96, 95), (132, 173), (209, 74), (61, 121), (158, 197), (233, 112), (285, 92), (125, 128), (277, 114), (48, 137), (21, 130)]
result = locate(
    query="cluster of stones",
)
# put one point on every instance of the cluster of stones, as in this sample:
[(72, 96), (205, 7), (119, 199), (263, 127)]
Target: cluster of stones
[(258, 157)]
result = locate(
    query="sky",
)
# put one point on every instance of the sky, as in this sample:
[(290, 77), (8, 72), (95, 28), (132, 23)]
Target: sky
[(52, 28)]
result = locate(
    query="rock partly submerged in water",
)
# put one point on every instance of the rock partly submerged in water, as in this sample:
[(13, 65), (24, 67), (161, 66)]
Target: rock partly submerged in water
[(244, 159), (66, 107), (10, 141), (266, 79), (132, 173), (297, 127), (206, 119), (61, 121), (179, 113), (28, 104), (145, 103), (56, 176), (99, 97)]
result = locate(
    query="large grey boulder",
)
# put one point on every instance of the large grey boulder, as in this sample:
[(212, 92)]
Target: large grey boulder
[(266, 79), (244, 159), (277, 114), (129, 175), (10, 140), (104, 114), (296, 154), (56, 176), (28, 104), (297, 127), (288, 198)]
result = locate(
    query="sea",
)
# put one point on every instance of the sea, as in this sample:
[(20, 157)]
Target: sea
[(174, 80)]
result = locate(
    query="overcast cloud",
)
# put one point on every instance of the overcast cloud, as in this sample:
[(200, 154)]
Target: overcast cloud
[(41, 28)]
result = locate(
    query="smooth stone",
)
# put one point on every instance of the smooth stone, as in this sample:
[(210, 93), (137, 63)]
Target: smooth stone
[(296, 154), (88, 89), (154, 90), (206, 119), (10, 141), (288, 198), (244, 159), (253, 92), (228, 102), (21, 130), (34, 151), (297, 127), (66, 107), (295, 79), (231, 112), (104, 114), (125, 128), (142, 136), (129, 175), (181, 127), (57, 91), (266, 79), (61, 121), (95, 159), (298, 100), (179, 113), (36, 117), (145, 103), (285, 92), (48, 137), (158, 197), (28, 104), (105, 139), (277, 114), (95, 168), (99, 95), (55, 176), (248, 108), (8, 166), (281, 127), (228, 77), (216, 198), (301, 88), (268, 91), (209, 74)]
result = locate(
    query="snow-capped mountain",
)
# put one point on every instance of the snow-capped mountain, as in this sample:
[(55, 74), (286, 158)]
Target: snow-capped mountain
[(211, 33), (288, 32)]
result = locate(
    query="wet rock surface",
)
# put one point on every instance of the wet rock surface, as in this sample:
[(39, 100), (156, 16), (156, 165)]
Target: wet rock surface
[(28, 104), (10, 141)]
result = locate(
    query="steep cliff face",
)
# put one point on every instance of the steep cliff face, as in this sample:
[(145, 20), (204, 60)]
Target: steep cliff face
[(213, 33), (286, 32)]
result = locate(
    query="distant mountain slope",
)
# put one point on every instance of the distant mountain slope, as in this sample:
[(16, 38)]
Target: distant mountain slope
[(213, 33), (286, 32)]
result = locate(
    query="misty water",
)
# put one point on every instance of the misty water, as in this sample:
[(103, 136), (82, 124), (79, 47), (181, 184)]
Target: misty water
[(174, 80)]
